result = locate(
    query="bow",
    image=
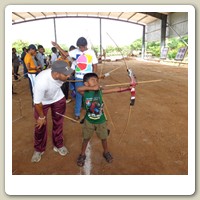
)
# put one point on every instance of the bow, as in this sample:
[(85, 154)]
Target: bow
[(131, 74), (133, 83)]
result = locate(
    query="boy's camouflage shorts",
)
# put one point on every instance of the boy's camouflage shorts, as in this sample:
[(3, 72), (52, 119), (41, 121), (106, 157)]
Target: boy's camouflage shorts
[(100, 129)]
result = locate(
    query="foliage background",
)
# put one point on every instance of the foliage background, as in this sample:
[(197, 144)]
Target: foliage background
[(135, 48)]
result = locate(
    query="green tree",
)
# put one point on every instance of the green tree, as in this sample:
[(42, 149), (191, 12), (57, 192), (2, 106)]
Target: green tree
[(19, 44), (154, 47), (126, 50), (47, 51), (174, 44), (64, 46), (110, 50), (96, 48), (136, 45)]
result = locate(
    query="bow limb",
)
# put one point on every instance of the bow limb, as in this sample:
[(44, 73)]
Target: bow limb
[(131, 75), (133, 83), (105, 105), (119, 51)]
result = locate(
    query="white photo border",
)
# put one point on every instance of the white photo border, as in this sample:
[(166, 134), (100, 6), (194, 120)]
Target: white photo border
[(109, 184)]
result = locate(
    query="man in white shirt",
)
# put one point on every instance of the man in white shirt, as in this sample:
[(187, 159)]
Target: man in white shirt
[(48, 94)]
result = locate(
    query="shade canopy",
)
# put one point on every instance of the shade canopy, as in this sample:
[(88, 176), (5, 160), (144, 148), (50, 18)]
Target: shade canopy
[(141, 18)]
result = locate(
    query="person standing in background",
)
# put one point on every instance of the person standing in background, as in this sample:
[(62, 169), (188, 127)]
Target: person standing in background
[(15, 63), (65, 85), (54, 55), (32, 68), (40, 56), (22, 58), (86, 62), (73, 66)]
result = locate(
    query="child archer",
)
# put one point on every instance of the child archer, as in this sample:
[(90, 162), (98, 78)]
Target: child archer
[(95, 119)]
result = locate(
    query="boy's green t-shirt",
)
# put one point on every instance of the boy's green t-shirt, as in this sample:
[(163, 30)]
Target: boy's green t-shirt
[(94, 107)]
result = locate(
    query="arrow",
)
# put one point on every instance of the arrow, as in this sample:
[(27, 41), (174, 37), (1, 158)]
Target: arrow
[(139, 82), (68, 118)]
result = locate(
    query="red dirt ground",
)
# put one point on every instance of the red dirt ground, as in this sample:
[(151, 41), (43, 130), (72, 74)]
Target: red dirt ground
[(156, 139)]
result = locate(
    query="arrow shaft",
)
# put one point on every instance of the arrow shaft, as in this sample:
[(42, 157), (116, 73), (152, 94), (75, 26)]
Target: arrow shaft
[(139, 82), (67, 117)]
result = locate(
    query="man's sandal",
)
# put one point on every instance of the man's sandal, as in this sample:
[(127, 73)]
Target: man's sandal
[(108, 157), (81, 160)]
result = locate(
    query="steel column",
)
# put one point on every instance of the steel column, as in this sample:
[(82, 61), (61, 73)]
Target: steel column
[(55, 35), (100, 36), (163, 31), (143, 42)]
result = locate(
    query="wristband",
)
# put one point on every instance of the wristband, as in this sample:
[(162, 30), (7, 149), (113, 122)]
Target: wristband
[(42, 118)]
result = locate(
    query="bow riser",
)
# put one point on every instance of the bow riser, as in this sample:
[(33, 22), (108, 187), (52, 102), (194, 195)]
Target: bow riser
[(132, 97), (133, 83)]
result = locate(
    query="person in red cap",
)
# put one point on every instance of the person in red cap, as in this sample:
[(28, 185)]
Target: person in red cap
[(48, 94)]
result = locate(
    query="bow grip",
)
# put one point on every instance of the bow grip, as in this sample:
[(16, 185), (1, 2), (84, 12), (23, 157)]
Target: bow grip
[(132, 97)]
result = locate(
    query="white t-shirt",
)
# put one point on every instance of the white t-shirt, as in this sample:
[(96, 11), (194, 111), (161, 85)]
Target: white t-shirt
[(73, 65), (84, 61), (47, 90), (40, 57), (54, 57)]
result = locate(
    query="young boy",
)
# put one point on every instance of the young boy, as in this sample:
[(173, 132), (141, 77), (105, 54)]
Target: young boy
[(40, 56), (95, 119)]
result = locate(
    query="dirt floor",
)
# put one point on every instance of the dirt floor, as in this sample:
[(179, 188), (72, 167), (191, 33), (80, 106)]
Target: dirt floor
[(155, 141)]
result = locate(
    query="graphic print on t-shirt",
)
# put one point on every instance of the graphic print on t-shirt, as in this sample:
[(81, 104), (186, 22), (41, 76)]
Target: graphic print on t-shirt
[(94, 108), (84, 63)]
